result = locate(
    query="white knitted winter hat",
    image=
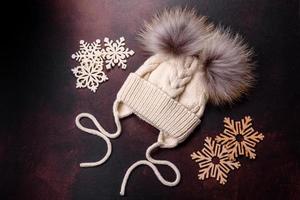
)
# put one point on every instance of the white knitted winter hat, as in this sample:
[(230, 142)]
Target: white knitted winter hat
[(193, 62)]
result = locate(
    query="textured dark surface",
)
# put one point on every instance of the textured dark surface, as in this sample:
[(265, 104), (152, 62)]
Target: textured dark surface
[(40, 147)]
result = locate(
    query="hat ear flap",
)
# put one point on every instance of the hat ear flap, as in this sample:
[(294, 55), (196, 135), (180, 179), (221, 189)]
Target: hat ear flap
[(123, 110), (227, 66)]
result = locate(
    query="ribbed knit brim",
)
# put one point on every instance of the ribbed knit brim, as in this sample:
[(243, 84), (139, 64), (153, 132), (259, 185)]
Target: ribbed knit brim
[(155, 107)]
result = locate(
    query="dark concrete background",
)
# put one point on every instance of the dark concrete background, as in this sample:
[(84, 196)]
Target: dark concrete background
[(40, 147)]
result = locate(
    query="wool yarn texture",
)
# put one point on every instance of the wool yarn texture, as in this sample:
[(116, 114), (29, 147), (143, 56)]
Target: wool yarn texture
[(192, 62)]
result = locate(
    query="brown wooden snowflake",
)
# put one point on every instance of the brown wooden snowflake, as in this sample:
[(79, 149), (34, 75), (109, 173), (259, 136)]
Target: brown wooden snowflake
[(239, 137), (214, 161)]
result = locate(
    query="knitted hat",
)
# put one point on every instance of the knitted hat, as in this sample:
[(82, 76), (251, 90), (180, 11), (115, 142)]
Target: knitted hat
[(192, 62)]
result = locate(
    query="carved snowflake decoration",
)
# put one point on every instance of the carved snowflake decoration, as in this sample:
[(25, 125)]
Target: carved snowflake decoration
[(239, 137), (213, 161), (115, 53), (89, 75), (91, 56), (89, 52)]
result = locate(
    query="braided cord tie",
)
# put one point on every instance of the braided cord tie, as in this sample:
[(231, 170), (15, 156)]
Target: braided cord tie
[(101, 132), (151, 163)]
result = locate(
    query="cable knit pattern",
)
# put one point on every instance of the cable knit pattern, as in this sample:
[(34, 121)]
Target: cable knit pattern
[(178, 80)]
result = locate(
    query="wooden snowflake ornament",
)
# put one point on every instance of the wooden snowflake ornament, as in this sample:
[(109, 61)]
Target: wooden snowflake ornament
[(214, 161), (239, 137)]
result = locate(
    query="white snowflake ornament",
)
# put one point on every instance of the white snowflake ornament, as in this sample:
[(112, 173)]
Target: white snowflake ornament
[(91, 56), (89, 52), (89, 75), (115, 53)]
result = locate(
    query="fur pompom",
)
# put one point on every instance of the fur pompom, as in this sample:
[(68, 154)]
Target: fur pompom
[(227, 66), (228, 70), (175, 31)]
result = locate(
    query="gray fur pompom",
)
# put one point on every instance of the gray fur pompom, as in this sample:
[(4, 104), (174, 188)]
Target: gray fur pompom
[(175, 31), (226, 59), (228, 67)]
